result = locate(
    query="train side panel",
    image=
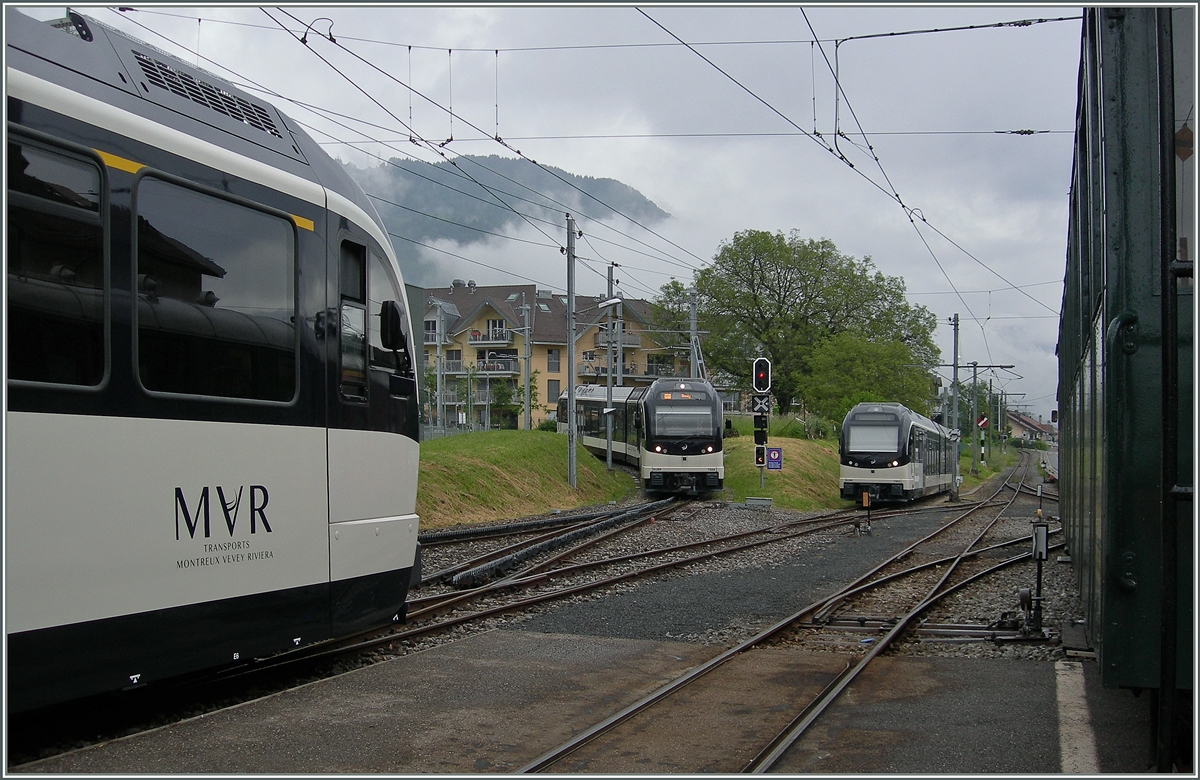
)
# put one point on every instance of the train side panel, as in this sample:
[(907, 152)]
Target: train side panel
[(183, 382)]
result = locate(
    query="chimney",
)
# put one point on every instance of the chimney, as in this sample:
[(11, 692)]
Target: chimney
[(457, 283)]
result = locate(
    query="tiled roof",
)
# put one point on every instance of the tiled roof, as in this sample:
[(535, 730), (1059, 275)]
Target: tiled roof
[(548, 314)]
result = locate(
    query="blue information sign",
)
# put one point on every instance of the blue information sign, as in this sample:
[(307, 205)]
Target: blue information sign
[(774, 458)]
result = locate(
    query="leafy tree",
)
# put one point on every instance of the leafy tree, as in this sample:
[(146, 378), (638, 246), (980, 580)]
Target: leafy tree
[(670, 315), (783, 296), (847, 369)]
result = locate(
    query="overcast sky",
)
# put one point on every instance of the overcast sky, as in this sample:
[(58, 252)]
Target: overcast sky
[(722, 135)]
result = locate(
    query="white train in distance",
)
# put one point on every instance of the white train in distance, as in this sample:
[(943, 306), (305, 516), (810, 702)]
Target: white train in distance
[(670, 431), (890, 453)]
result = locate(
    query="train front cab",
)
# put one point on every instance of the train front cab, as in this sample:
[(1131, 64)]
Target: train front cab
[(872, 460), (683, 449)]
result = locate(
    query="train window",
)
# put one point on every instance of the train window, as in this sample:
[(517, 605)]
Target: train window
[(215, 310), (53, 177), (353, 283), (381, 287), (55, 267), (872, 438), (683, 421)]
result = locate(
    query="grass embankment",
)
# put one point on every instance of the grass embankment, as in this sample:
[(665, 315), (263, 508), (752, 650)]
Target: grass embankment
[(996, 462), (495, 475), (808, 479)]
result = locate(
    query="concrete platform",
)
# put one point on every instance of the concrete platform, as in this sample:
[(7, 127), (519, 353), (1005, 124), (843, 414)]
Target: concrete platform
[(495, 701)]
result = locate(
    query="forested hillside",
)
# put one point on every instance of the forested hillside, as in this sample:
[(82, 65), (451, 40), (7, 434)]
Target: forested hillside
[(465, 201)]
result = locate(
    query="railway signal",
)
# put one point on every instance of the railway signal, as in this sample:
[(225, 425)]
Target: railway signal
[(761, 376), (760, 455)]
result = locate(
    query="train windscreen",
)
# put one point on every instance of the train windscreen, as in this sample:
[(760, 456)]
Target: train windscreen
[(873, 438), (683, 421)]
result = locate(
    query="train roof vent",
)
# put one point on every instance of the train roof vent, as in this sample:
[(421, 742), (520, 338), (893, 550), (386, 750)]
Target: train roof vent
[(185, 85)]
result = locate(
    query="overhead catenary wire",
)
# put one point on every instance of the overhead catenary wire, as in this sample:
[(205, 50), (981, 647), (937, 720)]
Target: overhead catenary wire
[(503, 143), (919, 216), (889, 191), (493, 191), (264, 89), (428, 144), (645, 45)]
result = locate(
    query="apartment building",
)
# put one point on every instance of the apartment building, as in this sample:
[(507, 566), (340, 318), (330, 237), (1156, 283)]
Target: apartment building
[(485, 333)]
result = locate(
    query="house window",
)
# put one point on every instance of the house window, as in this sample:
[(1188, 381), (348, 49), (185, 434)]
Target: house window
[(589, 355), (553, 390), (430, 331), (554, 361)]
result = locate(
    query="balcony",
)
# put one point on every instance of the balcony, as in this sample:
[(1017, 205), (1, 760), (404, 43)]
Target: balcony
[(491, 337), (499, 366), (627, 340), (631, 370)]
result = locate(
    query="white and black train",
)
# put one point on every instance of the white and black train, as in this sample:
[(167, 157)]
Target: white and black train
[(892, 453), (212, 429), (671, 431)]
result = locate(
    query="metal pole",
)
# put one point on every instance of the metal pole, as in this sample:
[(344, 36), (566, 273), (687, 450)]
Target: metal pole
[(954, 411), (572, 417), (975, 429), (621, 358), (694, 359), (528, 356), (441, 370), (608, 421)]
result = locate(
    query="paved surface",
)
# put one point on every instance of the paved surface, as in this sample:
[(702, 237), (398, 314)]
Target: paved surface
[(494, 702)]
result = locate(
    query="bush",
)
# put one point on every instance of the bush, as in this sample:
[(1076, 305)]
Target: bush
[(548, 425)]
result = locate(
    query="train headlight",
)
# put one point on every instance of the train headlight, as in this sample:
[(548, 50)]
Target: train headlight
[(710, 449), (895, 463), (658, 448)]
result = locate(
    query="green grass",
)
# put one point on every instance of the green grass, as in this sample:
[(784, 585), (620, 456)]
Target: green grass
[(991, 463), (495, 475), (808, 479)]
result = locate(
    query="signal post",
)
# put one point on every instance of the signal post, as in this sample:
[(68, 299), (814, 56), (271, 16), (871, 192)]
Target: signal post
[(760, 380)]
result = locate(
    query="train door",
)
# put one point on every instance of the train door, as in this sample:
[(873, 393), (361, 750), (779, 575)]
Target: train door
[(372, 437), (637, 429), (917, 459)]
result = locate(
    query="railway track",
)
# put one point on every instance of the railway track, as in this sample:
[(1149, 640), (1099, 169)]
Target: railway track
[(568, 564), (884, 604), (645, 540)]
